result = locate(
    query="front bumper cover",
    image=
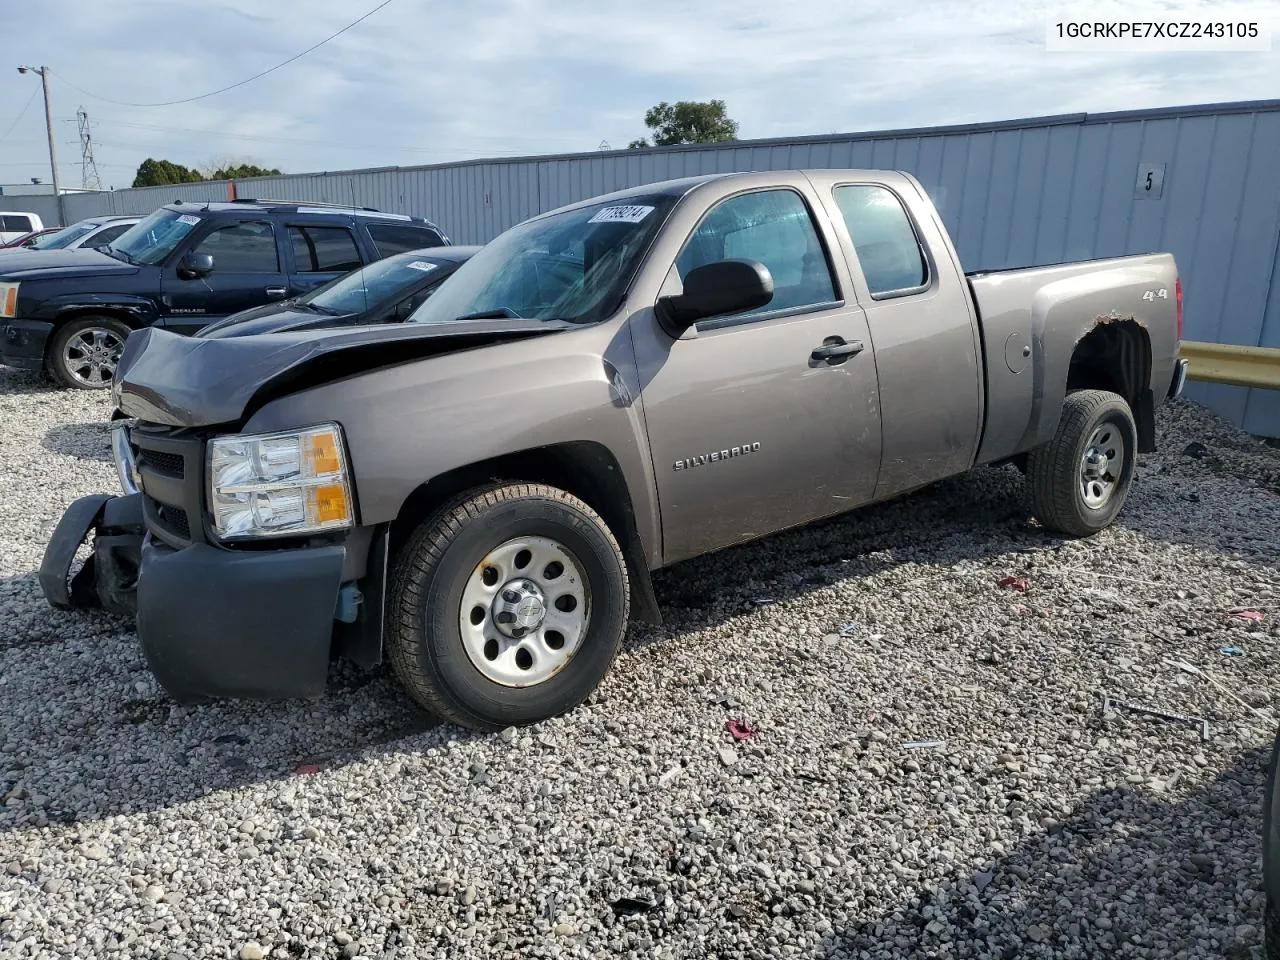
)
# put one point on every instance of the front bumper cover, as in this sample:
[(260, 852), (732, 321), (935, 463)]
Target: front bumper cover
[(211, 622), (22, 342)]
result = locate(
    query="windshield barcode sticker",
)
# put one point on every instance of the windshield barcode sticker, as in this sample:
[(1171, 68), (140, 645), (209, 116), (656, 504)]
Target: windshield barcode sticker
[(621, 215), (422, 265), (188, 219)]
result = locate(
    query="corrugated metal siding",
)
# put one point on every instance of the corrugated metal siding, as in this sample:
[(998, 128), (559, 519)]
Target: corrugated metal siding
[(1019, 193)]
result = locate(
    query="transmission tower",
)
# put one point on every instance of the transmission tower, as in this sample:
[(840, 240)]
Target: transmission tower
[(89, 178)]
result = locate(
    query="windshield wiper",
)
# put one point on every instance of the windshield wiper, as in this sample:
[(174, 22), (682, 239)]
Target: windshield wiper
[(111, 251), (500, 312)]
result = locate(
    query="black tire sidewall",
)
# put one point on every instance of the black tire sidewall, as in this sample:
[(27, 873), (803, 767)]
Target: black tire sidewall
[(440, 651), (53, 357), (1116, 412)]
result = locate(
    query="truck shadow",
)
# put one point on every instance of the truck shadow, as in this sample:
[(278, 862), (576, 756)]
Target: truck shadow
[(14, 381), (1131, 871), (84, 441)]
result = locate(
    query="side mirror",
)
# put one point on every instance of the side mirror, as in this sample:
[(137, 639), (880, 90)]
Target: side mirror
[(196, 265), (716, 289)]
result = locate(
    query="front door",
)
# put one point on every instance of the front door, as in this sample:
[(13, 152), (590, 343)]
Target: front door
[(246, 273), (769, 419)]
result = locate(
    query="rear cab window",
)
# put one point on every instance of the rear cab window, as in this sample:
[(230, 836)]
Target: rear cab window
[(885, 240), (393, 238), (323, 249), (16, 223)]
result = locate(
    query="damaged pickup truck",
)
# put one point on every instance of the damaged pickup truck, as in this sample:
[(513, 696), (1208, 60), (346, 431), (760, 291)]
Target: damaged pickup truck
[(479, 494)]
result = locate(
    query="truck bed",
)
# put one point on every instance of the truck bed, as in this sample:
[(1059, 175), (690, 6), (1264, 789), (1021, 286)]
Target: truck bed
[(1034, 319)]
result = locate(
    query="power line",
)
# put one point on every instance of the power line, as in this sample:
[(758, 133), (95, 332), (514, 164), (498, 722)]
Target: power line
[(21, 113), (203, 96), (324, 143)]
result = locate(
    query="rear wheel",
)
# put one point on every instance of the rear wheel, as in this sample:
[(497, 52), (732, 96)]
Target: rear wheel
[(83, 354), (1081, 478), (507, 606)]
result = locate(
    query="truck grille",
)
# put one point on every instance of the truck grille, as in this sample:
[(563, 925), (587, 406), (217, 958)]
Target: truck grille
[(173, 464), (170, 471)]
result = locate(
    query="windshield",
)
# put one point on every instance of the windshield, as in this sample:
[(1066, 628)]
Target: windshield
[(380, 281), (63, 238), (568, 266), (152, 239)]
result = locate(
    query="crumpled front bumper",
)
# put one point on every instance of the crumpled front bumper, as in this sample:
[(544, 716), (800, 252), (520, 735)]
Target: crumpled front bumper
[(211, 622), (109, 577)]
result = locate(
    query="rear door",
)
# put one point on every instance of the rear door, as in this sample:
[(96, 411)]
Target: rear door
[(319, 252), (751, 429), (906, 276), (246, 273)]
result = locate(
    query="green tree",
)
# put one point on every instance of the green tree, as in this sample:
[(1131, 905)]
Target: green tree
[(240, 171), (156, 173), (687, 121)]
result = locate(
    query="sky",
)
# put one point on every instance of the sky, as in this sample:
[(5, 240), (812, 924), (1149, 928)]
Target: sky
[(437, 81)]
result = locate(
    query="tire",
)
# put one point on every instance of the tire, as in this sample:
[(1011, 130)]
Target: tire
[(83, 353), (459, 612), (1271, 859), (1081, 478)]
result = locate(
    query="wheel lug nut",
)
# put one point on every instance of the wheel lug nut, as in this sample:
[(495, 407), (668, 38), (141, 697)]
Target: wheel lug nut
[(510, 596), (506, 616)]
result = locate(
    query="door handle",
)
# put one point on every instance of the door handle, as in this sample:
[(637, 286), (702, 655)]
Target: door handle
[(276, 292), (836, 350)]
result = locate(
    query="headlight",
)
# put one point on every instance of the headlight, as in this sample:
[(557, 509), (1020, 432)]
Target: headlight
[(122, 454), (8, 299), (279, 484)]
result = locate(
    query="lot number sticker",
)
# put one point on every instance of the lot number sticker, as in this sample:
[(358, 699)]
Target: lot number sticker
[(621, 215), (422, 265), (188, 219)]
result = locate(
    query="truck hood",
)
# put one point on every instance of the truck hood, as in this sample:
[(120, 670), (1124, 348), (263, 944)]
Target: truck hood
[(182, 381), (59, 264)]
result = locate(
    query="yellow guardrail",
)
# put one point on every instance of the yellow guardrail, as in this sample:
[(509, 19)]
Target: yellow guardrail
[(1228, 363)]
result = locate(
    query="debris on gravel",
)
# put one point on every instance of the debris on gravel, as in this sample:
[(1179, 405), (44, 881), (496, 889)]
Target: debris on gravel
[(928, 769)]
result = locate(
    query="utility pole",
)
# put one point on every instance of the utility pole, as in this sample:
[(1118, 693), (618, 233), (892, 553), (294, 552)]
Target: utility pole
[(53, 151)]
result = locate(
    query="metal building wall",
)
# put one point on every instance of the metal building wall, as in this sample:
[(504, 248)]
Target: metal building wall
[(1018, 193)]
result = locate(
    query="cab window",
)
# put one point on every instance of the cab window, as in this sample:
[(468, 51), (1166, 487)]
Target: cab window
[(885, 241), (248, 247), (775, 228)]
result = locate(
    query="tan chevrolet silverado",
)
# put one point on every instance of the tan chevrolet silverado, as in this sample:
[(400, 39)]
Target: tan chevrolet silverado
[(479, 494)]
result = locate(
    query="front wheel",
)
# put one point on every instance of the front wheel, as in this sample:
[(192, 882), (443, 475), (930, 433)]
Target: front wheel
[(83, 354), (1080, 479), (507, 606)]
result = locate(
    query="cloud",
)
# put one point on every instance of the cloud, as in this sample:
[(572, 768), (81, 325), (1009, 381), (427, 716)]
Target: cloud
[(436, 80)]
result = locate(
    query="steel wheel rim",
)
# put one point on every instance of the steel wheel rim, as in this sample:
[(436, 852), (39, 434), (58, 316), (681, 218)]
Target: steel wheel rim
[(91, 356), (1102, 465), (524, 612)]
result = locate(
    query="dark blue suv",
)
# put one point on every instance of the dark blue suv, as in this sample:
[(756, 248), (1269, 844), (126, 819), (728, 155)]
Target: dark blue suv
[(186, 265)]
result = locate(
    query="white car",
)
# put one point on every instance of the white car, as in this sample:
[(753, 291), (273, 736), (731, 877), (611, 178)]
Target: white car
[(89, 233), (15, 224)]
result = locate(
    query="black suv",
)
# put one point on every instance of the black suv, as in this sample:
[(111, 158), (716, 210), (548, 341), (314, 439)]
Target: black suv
[(183, 267)]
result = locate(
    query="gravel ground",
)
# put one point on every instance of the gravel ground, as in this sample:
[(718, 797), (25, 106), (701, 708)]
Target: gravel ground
[(638, 826)]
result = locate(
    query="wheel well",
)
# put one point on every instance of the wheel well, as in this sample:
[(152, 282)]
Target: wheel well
[(587, 470), (1116, 356)]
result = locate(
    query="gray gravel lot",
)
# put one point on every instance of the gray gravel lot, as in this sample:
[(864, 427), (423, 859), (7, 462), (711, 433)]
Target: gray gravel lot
[(637, 826)]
